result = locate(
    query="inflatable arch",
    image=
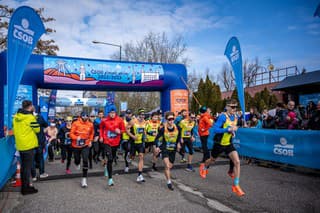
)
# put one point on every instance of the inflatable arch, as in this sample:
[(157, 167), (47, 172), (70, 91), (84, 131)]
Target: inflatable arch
[(68, 73)]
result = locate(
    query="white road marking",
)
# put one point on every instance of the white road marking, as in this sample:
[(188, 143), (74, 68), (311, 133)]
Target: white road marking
[(214, 204)]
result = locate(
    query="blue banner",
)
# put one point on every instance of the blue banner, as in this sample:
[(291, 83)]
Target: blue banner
[(295, 147), (24, 30), (52, 105), (233, 53), (8, 166)]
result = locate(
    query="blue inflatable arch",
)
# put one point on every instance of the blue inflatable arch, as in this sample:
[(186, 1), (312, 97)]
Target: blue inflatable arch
[(68, 73)]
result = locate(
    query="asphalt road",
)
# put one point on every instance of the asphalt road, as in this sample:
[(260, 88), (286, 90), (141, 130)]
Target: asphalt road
[(267, 190)]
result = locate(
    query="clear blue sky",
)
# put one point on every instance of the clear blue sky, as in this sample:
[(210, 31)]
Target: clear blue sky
[(283, 30)]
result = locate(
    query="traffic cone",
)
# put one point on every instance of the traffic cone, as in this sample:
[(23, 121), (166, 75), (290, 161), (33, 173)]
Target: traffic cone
[(18, 176)]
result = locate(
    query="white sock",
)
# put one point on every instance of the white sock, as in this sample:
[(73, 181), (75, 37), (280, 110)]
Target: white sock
[(169, 182)]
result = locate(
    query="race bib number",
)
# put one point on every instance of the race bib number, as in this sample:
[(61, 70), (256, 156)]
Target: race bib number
[(187, 133), (140, 130), (111, 134), (67, 140), (81, 142), (171, 146)]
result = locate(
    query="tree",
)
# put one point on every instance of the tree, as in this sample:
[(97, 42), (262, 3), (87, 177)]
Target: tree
[(250, 72), (264, 99), (209, 95), (226, 76), (155, 48), (47, 47)]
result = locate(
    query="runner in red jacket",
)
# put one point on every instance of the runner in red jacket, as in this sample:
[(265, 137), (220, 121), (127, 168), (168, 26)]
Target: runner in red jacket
[(111, 129)]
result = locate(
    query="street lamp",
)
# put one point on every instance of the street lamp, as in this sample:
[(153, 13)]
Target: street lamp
[(115, 45)]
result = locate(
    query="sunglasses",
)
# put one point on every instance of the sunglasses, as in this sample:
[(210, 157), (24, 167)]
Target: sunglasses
[(69, 120), (192, 117), (170, 119), (233, 107)]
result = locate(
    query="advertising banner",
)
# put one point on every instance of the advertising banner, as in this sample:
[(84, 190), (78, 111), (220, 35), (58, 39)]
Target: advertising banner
[(25, 28), (295, 147), (179, 100), (89, 72), (233, 53), (24, 93)]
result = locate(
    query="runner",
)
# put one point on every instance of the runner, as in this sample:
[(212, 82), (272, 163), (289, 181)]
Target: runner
[(152, 129), (126, 141), (65, 141), (81, 135), (187, 138), (138, 136), (51, 132), (182, 115), (111, 129), (203, 130), (170, 143), (224, 130), (97, 146)]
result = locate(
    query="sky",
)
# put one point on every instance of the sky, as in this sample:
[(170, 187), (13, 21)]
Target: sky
[(283, 31)]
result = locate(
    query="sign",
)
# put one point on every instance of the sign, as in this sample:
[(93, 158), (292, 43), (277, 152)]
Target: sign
[(89, 72), (179, 100)]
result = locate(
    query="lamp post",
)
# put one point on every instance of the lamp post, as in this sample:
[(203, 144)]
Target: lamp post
[(115, 45)]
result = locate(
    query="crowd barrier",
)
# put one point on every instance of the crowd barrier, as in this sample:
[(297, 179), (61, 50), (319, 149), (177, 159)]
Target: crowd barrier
[(8, 165), (294, 147)]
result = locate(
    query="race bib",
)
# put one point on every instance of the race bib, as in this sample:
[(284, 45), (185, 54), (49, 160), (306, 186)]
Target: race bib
[(187, 133), (111, 134), (81, 142), (140, 130)]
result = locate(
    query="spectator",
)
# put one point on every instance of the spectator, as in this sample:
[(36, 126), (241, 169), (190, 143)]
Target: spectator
[(39, 158), (26, 127), (268, 122), (314, 122), (310, 109), (255, 122)]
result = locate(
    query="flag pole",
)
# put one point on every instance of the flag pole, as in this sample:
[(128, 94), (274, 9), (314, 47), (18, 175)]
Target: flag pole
[(195, 98)]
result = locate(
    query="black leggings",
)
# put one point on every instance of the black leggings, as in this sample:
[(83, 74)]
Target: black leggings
[(66, 153), (187, 143), (126, 146), (84, 153), (111, 153), (204, 144)]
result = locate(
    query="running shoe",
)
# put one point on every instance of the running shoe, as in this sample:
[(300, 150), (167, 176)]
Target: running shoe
[(34, 179), (183, 160), (126, 170), (44, 175), (190, 169), (68, 171), (237, 190), (231, 174), (78, 167), (84, 183), (110, 182), (106, 174), (140, 179), (202, 171), (170, 186)]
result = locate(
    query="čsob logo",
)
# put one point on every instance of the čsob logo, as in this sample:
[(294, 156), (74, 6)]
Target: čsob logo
[(235, 54), (22, 33), (284, 148)]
